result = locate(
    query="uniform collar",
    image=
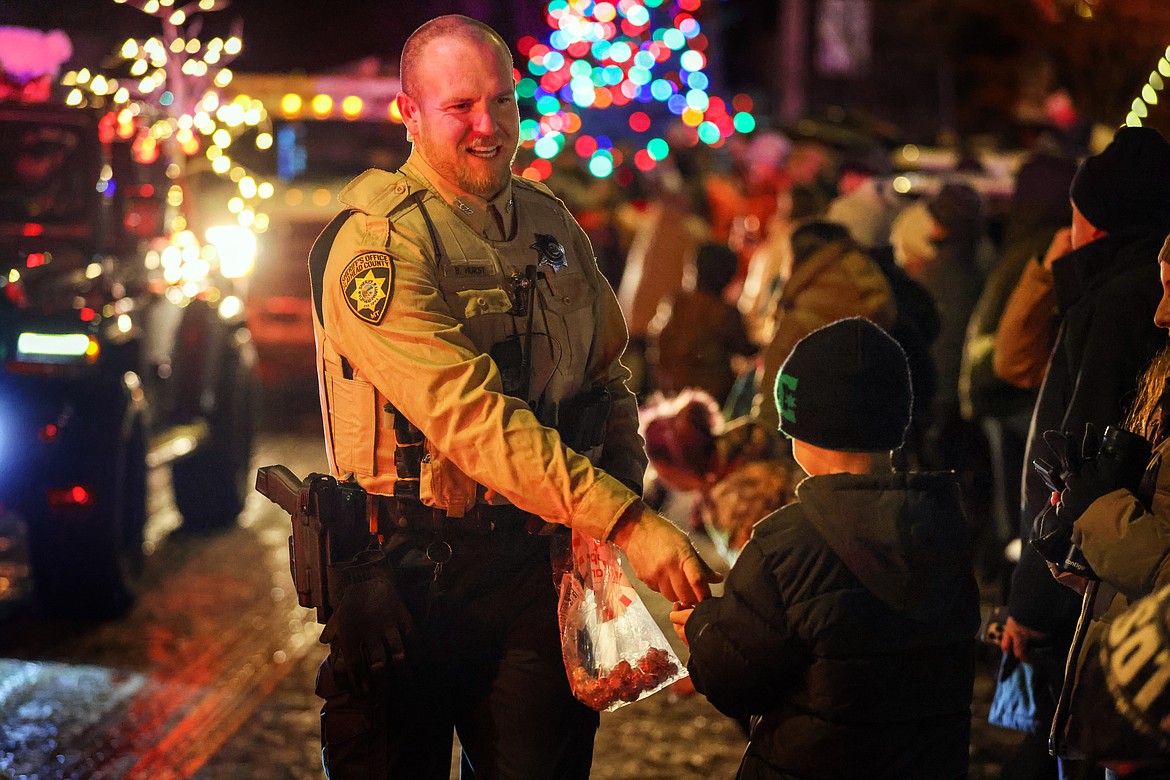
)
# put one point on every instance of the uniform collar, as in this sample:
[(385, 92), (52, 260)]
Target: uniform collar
[(472, 209)]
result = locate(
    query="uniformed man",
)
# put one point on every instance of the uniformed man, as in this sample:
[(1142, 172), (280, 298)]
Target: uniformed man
[(465, 340)]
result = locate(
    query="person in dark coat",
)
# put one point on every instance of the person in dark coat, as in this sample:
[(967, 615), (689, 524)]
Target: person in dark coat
[(847, 625), (1121, 213)]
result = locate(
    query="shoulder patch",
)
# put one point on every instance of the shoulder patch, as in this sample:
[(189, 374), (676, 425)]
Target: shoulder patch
[(367, 283)]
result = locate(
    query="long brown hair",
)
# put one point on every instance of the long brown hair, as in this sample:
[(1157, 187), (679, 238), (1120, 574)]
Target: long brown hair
[(1150, 414)]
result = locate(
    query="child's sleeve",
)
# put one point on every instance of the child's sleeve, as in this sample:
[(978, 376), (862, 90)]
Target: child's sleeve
[(743, 651)]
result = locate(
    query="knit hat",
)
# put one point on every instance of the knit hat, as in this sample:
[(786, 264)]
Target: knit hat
[(1127, 184), (846, 387)]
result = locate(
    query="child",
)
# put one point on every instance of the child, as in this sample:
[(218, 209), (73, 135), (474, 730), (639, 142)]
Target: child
[(847, 625)]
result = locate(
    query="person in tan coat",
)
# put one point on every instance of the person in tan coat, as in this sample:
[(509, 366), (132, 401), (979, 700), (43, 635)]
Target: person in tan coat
[(696, 333), (831, 278)]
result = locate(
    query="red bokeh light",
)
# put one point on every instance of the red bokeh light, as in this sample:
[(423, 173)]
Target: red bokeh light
[(585, 147)]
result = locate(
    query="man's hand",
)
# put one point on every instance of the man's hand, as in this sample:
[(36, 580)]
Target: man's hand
[(368, 629), (679, 618), (662, 556), (1017, 637)]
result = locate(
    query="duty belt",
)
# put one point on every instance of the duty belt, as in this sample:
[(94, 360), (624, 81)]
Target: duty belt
[(398, 513)]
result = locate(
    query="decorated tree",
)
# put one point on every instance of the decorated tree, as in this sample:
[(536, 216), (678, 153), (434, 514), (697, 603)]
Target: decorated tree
[(621, 71), (166, 92)]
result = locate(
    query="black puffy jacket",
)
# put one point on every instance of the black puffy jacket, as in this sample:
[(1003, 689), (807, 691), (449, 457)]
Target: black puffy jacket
[(848, 626)]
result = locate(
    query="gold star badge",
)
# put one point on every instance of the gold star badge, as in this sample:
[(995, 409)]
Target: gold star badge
[(367, 282)]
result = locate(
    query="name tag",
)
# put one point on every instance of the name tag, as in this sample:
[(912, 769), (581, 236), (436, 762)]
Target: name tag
[(466, 270)]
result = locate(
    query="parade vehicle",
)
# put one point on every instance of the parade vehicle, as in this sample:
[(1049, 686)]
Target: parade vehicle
[(123, 348), (326, 129)]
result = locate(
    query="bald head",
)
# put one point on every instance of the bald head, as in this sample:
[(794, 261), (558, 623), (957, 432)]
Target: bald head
[(443, 27)]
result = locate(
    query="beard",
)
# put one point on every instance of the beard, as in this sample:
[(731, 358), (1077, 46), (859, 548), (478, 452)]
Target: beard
[(477, 176)]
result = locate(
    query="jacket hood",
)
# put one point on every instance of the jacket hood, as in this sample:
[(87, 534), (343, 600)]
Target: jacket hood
[(901, 534)]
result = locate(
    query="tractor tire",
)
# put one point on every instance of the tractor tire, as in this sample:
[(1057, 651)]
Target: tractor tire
[(211, 484)]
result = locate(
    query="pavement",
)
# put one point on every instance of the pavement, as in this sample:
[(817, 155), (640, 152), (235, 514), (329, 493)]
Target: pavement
[(211, 675)]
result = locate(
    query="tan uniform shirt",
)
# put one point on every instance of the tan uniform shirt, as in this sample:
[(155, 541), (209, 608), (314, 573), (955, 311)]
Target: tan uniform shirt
[(409, 328)]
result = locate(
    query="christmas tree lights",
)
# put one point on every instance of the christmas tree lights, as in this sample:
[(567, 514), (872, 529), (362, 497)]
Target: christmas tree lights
[(643, 60), (168, 89)]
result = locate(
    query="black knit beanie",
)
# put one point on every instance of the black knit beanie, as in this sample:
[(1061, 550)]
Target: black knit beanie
[(846, 387), (1127, 184)]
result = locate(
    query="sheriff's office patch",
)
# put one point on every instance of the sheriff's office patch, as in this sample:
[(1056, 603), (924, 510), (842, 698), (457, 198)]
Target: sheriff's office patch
[(367, 282)]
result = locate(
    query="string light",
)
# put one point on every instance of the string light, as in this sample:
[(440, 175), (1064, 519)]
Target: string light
[(1139, 109), (166, 93)]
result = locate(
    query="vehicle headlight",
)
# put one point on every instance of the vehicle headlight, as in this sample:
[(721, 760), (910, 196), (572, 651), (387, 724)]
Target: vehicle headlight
[(61, 348), (236, 247)]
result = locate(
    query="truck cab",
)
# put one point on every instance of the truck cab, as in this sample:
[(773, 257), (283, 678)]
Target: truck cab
[(122, 349)]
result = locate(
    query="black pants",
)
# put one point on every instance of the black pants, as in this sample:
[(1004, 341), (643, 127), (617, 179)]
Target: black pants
[(484, 661)]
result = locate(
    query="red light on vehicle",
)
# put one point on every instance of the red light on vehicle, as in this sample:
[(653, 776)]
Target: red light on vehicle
[(34, 259), (32, 229), (87, 314), (76, 495), (49, 432)]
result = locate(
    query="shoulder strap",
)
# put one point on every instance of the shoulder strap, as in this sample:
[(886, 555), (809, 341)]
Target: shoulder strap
[(319, 256), (533, 186)]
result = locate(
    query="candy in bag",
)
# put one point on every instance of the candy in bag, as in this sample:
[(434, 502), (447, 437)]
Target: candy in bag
[(614, 652)]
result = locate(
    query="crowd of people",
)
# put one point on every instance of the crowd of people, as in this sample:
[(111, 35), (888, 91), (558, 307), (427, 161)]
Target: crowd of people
[(844, 378), (1019, 312)]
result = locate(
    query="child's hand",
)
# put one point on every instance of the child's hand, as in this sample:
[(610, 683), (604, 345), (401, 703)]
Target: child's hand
[(679, 618)]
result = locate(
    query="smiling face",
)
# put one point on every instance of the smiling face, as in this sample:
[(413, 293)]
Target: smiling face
[(463, 117)]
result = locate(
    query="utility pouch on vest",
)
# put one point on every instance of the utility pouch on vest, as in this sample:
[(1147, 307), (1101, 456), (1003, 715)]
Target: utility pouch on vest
[(408, 454), (508, 355), (582, 419)]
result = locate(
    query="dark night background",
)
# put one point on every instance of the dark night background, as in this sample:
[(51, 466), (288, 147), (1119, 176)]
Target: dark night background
[(937, 67)]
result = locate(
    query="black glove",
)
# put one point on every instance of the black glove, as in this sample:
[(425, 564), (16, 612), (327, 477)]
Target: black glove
[(1071, 459), (370, 625), (1070, 455), (1094, 479)]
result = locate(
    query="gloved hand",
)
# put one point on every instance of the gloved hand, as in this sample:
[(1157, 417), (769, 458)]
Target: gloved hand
[(370, 625), (1094, 479), (1072, 458), (1070, 454), (662, 556)]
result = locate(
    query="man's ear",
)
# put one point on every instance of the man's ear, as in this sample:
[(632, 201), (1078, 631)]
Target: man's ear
[(409, 111)]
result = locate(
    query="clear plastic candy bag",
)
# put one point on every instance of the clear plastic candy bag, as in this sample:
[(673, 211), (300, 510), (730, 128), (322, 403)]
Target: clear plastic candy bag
[(614, 652)]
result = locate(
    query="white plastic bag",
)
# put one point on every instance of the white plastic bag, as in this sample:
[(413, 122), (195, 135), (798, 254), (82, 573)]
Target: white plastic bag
[(614, 652)]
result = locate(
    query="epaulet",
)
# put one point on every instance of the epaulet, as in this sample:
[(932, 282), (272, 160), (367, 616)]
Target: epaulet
[(377, 192), (534, 186)]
